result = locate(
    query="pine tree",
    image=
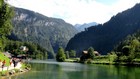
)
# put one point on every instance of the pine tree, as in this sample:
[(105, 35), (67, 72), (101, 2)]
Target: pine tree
[(60, 55), (91, 54)]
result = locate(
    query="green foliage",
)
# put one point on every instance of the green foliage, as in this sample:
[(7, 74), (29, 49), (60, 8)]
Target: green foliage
[(112, 57), (72, 53), (87, 56), (34, 50), (126, 50), (6, 14), (3, 57), (91, 54), (3, 40), (39, 56), (60, 56), (129, 48), (50, 33), (67, 55), (104, 37), (88, 61)]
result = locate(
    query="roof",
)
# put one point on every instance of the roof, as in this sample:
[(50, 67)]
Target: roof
[(95, 52), (85, 52)]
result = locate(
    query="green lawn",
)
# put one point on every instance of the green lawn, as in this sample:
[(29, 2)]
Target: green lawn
[(72, 60), (2, 58)]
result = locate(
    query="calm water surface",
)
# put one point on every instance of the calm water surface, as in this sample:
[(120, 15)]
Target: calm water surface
[(55, 70)]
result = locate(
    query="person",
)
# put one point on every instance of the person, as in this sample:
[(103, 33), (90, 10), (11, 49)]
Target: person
[(3, 64), (14, 62), (0, 63)]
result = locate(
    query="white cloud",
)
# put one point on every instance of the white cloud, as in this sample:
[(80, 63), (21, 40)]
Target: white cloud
[(122, 5), (76, 11)]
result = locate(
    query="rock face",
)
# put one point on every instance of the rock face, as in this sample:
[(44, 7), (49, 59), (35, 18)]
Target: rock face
[(104, 38), (49, 33)]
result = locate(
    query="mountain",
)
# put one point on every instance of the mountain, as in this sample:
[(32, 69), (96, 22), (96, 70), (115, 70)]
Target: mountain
[(104, 38), (81, 27), (48, 32)]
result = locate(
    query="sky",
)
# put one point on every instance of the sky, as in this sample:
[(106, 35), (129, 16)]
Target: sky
[(76, 11)]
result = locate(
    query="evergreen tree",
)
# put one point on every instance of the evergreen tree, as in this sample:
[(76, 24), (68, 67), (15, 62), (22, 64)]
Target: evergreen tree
[(91, 54), (60, 55)]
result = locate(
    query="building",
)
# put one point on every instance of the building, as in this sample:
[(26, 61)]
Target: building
[(95, 52), (23, 48)]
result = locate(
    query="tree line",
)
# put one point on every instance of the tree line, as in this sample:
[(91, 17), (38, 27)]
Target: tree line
[(129, 49), (34, 51), (62, 54)]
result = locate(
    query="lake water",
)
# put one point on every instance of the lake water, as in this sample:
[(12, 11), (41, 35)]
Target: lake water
[(55, 70)]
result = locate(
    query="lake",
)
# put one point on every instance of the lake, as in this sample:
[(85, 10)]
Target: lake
[(64, 70)]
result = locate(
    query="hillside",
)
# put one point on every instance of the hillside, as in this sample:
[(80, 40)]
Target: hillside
[(49, 33), (129, 49), (104, 38)]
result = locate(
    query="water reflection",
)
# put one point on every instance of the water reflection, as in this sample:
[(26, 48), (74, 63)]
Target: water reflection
[(55, 70)]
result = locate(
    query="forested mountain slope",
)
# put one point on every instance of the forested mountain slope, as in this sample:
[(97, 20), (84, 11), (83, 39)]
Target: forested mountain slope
[(48, 32), (104, 37)]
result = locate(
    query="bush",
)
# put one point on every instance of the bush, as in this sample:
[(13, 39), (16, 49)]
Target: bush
[(123, 58), (28, 65), (112, 57), (89, 61)]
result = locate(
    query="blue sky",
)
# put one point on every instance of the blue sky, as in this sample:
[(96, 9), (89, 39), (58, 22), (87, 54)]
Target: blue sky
[(77, 11), (107, 2)]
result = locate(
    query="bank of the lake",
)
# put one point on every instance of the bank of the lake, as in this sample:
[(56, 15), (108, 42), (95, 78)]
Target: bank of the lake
[(13, 71), (66, 70), (17, 72), (105, 60)]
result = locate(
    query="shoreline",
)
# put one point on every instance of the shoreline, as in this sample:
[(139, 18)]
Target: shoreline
[(16, 73), (118, 63), (106, 62)]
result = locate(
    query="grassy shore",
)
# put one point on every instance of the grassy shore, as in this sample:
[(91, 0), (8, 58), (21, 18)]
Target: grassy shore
[(105, 59), (116, 63), (72, 60)]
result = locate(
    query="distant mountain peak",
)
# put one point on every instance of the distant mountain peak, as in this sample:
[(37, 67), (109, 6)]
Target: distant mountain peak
[(104, 38), (81, 27)]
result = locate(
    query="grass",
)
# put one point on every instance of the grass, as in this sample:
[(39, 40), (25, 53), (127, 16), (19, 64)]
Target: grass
[(72, 60), (106, 59), (3, 57), (23, 66), (3, 74), (136, 60)]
